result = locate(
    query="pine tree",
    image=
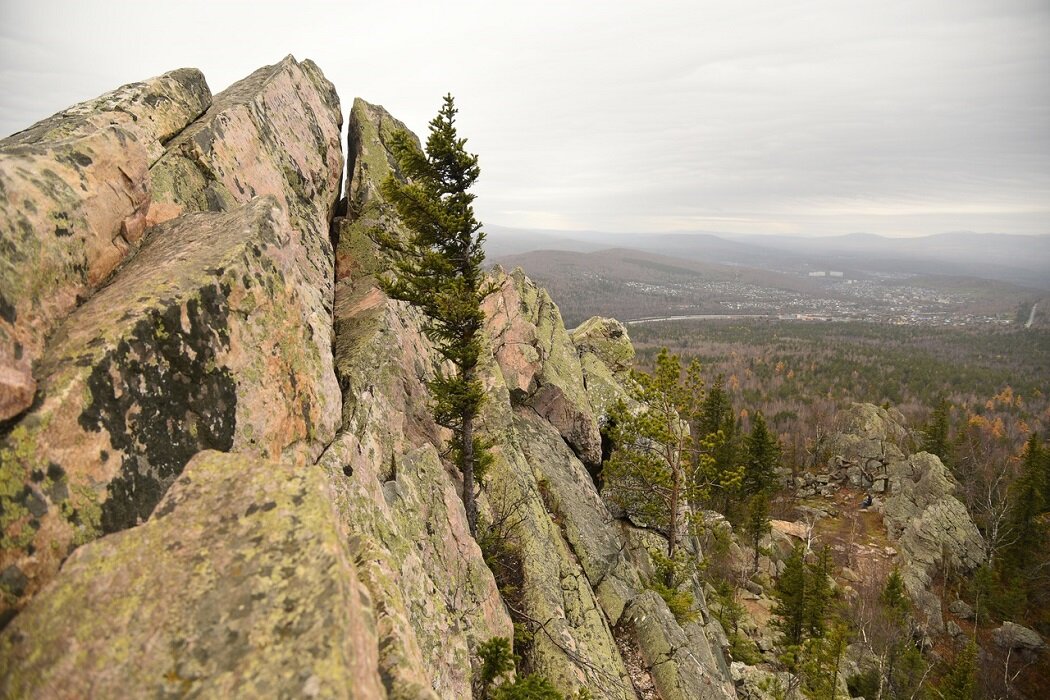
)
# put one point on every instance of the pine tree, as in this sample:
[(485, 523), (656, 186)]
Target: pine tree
[(756, 523), (818, 594), (936, 432), (802, 597), (716, 408), (894, 597), (961, 681), (790, 598), (763, 458), (723, 475), (438, 268), (648, 471)]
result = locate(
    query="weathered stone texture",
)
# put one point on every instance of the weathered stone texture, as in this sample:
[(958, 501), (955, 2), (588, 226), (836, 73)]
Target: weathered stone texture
[(241, 585), (200, 342), (539, 362), (276, 132), (676, 670), (74, 195), (328, 554)]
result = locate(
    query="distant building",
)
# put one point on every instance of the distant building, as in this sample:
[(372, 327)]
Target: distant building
[(835, 273), (819, 273)]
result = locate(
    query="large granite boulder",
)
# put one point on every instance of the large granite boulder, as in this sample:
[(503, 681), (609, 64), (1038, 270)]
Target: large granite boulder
[(277, 133), (200, 342), (369, 162), (606, 355), (74, 196), (538, 360), (241, 585), (865, 432), (607, 339), (932, 527), (1014, 636)]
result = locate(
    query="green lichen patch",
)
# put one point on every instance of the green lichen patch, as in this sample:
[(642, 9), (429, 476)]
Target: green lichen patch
[(241, 586)]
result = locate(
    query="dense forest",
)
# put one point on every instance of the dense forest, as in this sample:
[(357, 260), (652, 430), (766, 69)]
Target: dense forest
[(798, 373), (980, 400)]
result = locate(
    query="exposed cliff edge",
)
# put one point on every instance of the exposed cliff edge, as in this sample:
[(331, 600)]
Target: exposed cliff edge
[(220, 473)]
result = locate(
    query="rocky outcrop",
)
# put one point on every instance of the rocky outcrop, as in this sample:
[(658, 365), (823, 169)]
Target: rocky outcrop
[(242, 585), (199, 343), (539, 362), (678, 672), (236, 433), (930, 526), (216, 335), (436, 598), (75, 190), (606, 355)]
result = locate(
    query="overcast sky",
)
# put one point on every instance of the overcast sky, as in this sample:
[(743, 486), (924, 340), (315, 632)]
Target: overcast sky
[(897, 118)]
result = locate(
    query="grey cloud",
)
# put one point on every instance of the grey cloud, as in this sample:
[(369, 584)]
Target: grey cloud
[(801, 117)]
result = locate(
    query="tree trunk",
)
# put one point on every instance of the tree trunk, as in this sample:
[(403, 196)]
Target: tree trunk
[(672, 535), (468, 473)]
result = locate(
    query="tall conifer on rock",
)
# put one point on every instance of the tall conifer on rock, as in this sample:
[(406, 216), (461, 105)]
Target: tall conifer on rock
[(648, 473), (437, 268)]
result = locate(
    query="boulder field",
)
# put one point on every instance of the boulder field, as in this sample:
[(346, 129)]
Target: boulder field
[(219, 474)]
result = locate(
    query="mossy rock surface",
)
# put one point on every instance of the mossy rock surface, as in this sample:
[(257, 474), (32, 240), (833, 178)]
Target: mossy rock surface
[(241, 585), (607, 339)]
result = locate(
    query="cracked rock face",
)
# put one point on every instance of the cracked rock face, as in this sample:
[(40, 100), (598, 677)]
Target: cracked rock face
[(198, 343), (216, 335), (74, 193), (539, 362), (242, 584), (676, 670)]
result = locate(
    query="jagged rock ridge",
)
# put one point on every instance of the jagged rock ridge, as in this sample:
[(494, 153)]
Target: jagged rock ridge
[(231, 436)]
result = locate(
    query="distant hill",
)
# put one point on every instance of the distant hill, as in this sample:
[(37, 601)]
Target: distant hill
[(1018, 260), (632, 284)]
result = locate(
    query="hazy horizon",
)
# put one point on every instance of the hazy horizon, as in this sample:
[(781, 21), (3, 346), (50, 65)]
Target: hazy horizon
[(805, 118), (730, 235)]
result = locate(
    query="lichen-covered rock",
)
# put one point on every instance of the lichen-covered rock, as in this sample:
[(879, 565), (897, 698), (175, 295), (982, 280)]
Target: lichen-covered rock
[(74, 195), (276, 132), (606, 354), (961, 609), (677, 672), (202, 341), (241, 585), (570, 493), (538, 360), (753, 683), (1014, 636), (867, 432), (932, 527), (607, 339), (369, 162), (572, 641)]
